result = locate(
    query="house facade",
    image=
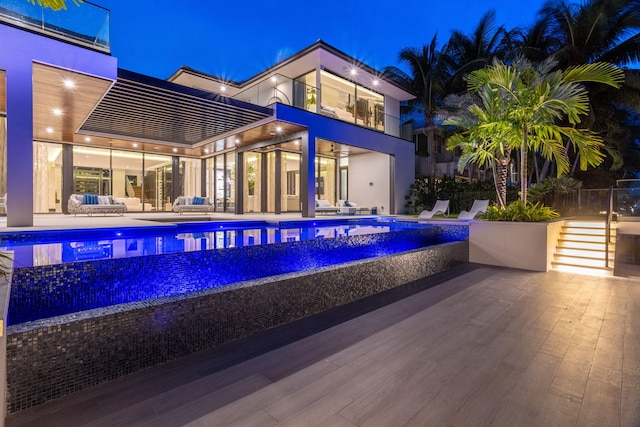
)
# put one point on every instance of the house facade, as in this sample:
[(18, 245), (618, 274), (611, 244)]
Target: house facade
[(317, 125)]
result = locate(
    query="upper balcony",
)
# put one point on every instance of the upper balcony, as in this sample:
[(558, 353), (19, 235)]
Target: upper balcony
[(284, 90), (86, 25)]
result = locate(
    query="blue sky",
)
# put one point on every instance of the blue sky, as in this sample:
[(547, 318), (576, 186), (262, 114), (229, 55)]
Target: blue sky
[(238, 39)]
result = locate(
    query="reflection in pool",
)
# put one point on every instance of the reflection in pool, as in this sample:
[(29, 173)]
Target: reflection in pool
[(82, 245)]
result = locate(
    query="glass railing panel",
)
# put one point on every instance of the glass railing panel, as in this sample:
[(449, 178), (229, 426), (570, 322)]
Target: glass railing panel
[(86, 24), (334, 103), (626, 201)]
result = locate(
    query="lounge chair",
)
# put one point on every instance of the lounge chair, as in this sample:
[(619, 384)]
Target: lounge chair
[(478, 207), (348, 207), (441, 207), (323, 206)]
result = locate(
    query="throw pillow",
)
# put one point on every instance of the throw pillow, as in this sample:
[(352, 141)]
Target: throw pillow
[(346, 203), (90, 199)]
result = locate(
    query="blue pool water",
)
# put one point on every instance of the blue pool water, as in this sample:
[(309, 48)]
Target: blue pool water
[(64, 272)]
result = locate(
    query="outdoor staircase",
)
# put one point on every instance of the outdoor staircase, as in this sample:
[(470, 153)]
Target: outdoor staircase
[(581, 248)]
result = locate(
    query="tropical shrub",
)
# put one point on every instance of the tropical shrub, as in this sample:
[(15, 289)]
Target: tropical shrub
[(461, 193), (519, 211), (559, 193)]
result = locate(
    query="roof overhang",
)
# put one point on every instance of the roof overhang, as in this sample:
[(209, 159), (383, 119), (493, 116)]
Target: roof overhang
[(146, 109)]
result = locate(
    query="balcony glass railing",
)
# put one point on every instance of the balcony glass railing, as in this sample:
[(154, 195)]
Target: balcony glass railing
[(86, 25), (279, 89)]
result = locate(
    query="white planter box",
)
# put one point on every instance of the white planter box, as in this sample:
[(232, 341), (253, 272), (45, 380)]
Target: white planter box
[(525, 245)]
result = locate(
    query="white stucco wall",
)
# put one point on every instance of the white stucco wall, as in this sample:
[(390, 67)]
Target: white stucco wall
[(369, 181)]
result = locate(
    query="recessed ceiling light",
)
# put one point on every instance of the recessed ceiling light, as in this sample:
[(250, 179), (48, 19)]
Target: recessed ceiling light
[(87, 139), (223, 89), (49, 130), (156, 148), (237, 141), (175, 150), (278, 128), (376, 82), (135, 145), (297, 142), (69, 84), (57, 111), (206, 150), (274, 79), (353, 71)]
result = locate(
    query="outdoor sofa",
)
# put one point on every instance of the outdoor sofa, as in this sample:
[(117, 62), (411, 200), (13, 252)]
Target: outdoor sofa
[(192, 204), (90, 204)]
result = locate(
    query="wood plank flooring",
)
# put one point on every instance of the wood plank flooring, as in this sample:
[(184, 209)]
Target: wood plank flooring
[(484, 347)]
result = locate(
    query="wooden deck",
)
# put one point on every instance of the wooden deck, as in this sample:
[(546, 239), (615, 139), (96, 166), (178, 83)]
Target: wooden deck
[(485, 346)]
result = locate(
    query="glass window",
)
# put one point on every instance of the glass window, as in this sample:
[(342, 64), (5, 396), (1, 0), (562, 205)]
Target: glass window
[(308, 91), (230, 182), (271, 181), (291, 182), (252, 182), (157, 182), (326, 179), (344, 100), (128, 179), (210, 179), (190, 177), (47, 177), (91, 170), (219, 182), (338, 97), (369, 108)]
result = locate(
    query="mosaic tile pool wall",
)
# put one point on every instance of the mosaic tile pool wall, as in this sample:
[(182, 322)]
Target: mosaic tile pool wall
[(49, 358)]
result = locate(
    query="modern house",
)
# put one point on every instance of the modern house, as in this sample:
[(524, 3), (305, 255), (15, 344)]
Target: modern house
[(317, 125)]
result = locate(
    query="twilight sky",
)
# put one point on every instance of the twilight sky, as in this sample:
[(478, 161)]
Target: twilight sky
[(237, 39)]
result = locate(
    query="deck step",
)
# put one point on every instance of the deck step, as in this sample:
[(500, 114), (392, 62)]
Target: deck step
[(581, 248), (580, 269)]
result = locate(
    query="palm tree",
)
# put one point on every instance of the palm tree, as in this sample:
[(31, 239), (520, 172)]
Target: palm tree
[(536, 42), (428, 68), (595, 31), (472, 52), (55, 4), (601, 31), (521, 106), (487, 139)]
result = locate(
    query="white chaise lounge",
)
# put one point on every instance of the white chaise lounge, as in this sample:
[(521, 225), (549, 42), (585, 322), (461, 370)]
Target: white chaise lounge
[(478, 207), (441, 207)]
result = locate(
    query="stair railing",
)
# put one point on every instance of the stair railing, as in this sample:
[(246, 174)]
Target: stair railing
[(607, 226)]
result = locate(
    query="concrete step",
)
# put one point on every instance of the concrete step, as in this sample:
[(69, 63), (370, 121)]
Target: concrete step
[(581, 269)]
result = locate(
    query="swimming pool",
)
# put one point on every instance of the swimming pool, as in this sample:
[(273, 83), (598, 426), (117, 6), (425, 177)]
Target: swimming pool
[(64, 272), (37, 248), (117, 322)]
